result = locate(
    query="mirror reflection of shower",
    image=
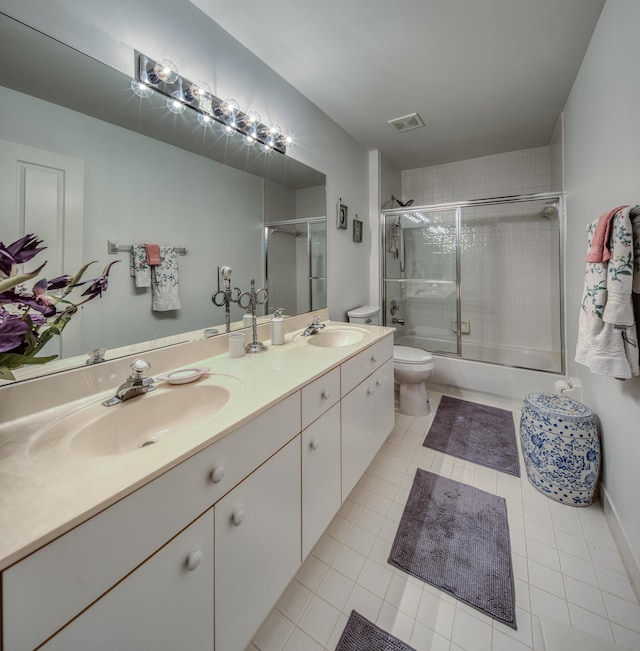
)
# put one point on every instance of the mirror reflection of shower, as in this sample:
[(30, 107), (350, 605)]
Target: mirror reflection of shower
[(295, 264)]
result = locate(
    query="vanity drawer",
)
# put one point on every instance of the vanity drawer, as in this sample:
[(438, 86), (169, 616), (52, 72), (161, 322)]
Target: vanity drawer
[(356, 369), (320, 395), (48, 588)]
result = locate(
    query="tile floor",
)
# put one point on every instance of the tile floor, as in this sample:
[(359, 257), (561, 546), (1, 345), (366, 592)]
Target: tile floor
[(565, 562)]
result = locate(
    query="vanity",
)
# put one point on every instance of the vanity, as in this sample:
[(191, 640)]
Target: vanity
[(187, 542)]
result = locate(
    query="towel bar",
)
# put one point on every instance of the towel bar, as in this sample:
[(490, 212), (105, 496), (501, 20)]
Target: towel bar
[(113, 246)]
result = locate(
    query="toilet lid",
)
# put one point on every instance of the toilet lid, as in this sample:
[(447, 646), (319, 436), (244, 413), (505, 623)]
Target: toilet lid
[(409, 355)]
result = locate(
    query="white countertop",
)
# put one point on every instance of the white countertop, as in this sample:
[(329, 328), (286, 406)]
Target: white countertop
[(46, 490)]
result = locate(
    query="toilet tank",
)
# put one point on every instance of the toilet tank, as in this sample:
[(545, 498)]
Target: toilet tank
[(365, 314)]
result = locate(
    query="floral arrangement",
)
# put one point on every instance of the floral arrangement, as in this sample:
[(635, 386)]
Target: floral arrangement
[(30, 318)]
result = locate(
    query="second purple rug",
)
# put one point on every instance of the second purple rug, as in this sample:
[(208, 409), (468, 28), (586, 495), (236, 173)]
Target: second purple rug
[(476, 433)]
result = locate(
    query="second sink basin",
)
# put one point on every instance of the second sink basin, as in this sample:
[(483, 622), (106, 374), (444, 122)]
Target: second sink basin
[(334, 337), (96, 430)]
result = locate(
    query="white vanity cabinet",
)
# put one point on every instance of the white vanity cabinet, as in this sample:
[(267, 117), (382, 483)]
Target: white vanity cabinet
[(367, 410), (257, 547), (321, 478), (198, 556), (167, 603)]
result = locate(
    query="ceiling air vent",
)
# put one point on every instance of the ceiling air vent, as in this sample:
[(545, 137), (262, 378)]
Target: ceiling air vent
[(407, 122)]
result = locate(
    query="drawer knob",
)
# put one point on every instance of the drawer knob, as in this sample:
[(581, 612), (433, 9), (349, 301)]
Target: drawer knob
[(238, 517), (325, 395), (378, 382), (369, 391), (373, 359), (193, 560), (314, 444), (217, 474)]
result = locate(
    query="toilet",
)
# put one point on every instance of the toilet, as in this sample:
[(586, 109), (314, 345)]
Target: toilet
[(411, 367)]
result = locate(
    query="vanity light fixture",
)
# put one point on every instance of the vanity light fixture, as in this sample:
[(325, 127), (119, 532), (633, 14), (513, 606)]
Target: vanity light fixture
[(162, 77)]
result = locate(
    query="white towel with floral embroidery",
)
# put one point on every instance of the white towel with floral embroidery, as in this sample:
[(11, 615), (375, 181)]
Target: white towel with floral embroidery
[(140, 270), (607, 334), (164, 281)]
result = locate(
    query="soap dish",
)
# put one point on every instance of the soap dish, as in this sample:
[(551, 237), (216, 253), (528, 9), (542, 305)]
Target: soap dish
[(184, 375)]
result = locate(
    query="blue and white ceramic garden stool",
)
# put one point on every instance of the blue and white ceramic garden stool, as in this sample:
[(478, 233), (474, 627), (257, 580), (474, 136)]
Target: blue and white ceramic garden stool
[(561, 448)]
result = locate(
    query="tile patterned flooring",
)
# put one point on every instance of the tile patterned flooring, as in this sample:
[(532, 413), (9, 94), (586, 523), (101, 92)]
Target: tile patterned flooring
[(565, 561)]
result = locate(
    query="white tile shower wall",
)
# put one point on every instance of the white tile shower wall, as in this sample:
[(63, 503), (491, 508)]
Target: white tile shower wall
[(525, 171), (509, 265)]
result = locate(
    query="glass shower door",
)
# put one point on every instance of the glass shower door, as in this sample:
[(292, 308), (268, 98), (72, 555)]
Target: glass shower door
[(421, 278)]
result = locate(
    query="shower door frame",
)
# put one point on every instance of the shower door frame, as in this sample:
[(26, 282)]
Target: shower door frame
[(458, 206)]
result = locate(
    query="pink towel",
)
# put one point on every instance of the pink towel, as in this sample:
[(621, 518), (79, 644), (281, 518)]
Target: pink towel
[(153, 253), (599, 251)]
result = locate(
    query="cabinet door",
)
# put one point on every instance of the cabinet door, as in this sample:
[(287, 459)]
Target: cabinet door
[(367, 419), (167, 603), (321, 492), (257, 547)]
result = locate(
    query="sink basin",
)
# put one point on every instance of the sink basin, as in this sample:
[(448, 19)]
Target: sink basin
[(96, 430), (334, 337)]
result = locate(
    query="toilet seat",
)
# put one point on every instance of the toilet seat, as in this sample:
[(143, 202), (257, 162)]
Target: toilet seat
[(411, 356)]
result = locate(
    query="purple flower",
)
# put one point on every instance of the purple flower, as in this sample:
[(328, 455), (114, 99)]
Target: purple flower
[(99, 284), (21, 250), (12, 331), (42, 304)]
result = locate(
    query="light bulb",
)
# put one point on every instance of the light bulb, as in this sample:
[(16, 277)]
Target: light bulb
[(273, 133), (252, 119), (166, 71), (230, 107), (249, 139), (206, 120), (198, 91), (175, 103), (141, 89)]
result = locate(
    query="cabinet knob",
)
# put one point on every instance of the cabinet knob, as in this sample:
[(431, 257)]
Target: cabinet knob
[(193, 560), (378, 382), (314, 444), (217, 474), (369, 391), (373, 359), (238, 517), (325, 395)]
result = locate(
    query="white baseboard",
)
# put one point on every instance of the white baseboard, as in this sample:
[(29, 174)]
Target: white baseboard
[(626, 552)]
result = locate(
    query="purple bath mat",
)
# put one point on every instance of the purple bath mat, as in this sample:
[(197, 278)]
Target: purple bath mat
[(361, 635), (477, 433), (456, 538)]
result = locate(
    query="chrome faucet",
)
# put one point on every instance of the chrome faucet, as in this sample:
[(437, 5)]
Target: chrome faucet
[(136, 384), (312, 328)]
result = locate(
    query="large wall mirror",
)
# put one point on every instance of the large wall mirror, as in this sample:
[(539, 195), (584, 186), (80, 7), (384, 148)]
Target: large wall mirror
[(101, 163)]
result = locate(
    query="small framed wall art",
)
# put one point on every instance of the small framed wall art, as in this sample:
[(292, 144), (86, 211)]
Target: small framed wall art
[(342, 216), (357, 229)]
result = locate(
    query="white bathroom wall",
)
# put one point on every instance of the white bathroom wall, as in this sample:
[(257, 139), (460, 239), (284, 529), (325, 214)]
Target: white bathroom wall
[(177, 30), (602, 170)]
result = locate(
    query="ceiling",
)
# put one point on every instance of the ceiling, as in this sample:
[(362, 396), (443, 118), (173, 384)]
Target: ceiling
[(486, 76)]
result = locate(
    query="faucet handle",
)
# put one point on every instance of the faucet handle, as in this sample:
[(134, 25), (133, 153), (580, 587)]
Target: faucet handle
[(317, 320), (139, 368)]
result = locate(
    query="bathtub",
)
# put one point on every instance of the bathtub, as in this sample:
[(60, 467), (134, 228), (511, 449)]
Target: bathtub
[(500, 370)]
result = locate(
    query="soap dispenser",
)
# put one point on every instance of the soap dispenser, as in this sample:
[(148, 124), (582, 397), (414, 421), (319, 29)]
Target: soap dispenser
[(277, 328)]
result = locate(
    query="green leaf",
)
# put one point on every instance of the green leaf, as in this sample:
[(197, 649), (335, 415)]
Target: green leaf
[(14, 281)]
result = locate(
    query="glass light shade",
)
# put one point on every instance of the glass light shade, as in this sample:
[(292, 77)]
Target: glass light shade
[(175, 103), (249, 139), (252, 119), (206, 120), (166, 71), (141, 89), (230, 107)]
